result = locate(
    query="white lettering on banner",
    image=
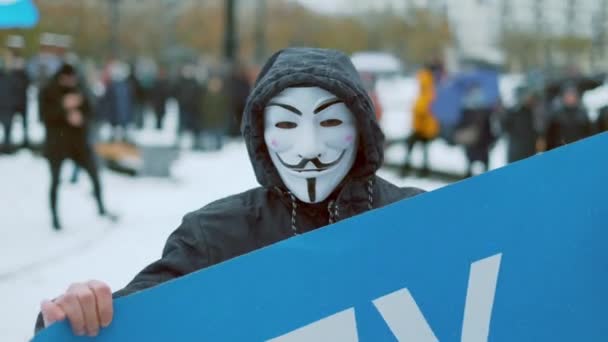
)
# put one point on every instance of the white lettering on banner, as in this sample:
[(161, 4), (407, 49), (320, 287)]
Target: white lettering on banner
[(480, 299), (335, 328), (404, 318)]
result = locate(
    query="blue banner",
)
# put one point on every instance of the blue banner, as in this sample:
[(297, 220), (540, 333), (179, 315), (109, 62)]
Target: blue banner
[(517, 254), (18, 14)]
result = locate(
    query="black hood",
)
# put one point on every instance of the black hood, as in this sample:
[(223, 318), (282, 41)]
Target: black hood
[(311, 67)]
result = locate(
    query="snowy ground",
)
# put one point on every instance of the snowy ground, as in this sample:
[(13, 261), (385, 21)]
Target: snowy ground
[(37, 263)]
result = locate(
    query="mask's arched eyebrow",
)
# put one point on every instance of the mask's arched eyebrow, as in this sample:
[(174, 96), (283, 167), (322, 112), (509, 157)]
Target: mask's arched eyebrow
[(286, 106), (327, 104)]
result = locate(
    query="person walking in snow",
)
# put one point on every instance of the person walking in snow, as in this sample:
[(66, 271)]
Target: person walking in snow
[(315, 146), (66, 113)]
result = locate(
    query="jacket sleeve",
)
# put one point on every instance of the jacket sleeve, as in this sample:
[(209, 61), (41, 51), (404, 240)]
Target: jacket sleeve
[(185, 251)]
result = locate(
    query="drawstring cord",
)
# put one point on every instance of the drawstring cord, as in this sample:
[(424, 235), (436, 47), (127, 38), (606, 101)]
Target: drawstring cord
[(370, 194), (333, 214), (294, 208), (332, 207)]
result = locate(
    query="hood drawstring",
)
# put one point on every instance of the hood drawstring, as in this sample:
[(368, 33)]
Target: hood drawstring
[(332, 207), (294, 207), (370, 193), (333, 214)]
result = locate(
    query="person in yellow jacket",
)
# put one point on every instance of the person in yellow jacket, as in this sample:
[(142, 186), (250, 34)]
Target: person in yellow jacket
[(425, 126)]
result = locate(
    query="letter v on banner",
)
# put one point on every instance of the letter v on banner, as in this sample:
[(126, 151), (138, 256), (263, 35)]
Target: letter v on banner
[(340, 327), (403, 316), (480, 299)]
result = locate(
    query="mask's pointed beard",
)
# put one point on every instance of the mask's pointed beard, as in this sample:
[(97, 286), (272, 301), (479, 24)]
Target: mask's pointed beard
[(312, 186)]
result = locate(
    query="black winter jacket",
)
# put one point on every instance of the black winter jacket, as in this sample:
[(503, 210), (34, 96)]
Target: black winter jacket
[(62, 139), (568, 125), (268, 214)]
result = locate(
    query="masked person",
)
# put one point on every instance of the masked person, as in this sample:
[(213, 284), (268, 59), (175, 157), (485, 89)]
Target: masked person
[(315, 146), (66, 114)]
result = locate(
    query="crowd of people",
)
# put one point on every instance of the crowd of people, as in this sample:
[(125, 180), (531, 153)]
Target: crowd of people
[(539, 121), (209, 96), (75, 98)]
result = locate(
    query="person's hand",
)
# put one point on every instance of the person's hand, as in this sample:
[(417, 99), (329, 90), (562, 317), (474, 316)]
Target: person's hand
[(72, 101), (75, 118), (87, 306)]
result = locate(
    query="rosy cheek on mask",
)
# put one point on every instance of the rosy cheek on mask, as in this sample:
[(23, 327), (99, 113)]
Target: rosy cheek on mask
[(349, 139), (277, 143)]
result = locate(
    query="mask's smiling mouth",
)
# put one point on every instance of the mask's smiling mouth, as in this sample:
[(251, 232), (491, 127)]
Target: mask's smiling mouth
[(320, 166)]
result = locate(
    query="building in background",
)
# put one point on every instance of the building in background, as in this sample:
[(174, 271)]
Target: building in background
[(549, 32)]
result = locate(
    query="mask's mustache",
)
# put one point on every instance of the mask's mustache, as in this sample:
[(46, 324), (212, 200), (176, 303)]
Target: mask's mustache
[(315, 161)]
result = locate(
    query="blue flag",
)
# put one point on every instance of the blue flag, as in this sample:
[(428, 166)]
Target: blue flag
[(17, 14), (450, 94), (517, 254)]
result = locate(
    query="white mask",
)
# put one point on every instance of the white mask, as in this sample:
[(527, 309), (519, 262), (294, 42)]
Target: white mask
[(312, 140)]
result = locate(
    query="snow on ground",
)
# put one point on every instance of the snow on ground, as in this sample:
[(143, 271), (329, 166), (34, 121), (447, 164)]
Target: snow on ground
[(37, 263)]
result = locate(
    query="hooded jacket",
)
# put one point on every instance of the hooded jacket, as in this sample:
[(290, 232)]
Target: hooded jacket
[(262, 216)]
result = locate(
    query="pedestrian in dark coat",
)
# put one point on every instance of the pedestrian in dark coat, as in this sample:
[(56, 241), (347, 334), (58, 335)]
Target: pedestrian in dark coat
[(20, 83), (189, 93), (520, 124), (215, 116), (239, 88), (7, 107), (138, 99), (270, 213), (66, 113), (160, 93), (569, 122), (479, 149), (118, 100), (474, 131)]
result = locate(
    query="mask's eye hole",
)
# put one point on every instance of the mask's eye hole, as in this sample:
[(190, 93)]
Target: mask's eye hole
[(286, 125), (331, 123)]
